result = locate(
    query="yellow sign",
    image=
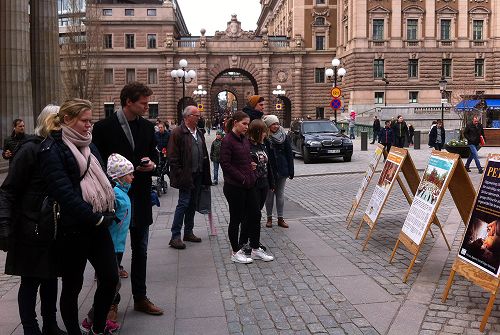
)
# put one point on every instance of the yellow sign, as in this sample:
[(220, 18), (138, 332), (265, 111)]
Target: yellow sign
[(336, 92), (200, 107), (279, 107)]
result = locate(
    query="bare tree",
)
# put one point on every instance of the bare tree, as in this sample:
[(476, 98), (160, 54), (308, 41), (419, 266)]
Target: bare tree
[(81, 45), (461, 92)]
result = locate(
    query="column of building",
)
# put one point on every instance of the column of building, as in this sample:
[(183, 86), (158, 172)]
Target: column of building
[(264, 83), (297, 110), (202, 79), (169, 111), (45, 63), (15, 69)]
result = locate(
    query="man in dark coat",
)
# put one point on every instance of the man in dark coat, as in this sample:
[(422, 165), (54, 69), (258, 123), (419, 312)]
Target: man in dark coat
[(437, 136), (189, 169), (400, 131), (14, 141), (254, 107), (376, 128), (473, 132), (127, 133)]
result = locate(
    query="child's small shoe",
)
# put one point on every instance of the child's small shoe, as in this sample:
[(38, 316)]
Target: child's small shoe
[(86, 326)]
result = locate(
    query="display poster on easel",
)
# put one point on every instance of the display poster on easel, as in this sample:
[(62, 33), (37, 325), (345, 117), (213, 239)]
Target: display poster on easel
[(481, 244), (430, 189), (384, 184)]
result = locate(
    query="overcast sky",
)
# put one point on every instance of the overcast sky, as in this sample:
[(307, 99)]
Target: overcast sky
[(214, 14)]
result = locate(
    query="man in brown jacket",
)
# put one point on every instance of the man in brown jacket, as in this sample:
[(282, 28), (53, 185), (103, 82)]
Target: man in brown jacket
[(189, 170)]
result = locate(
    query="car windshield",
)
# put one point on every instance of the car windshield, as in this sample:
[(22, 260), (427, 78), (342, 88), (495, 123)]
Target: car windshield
[(319, 127)]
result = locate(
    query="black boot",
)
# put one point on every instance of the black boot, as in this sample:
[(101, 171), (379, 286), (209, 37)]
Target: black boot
[(52, 329)]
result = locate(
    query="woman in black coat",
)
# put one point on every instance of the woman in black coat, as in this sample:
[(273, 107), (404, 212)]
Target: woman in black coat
[(31, 241), (437, 136)]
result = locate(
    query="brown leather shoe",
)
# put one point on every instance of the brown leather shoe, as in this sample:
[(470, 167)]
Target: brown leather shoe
[(113, 313), (177, 244), (269, 222), (282, 223), (144, 305), (192, 238)]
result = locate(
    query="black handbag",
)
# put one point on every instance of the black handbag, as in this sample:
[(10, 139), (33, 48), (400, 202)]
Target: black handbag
[(50, 216), (204, 203)]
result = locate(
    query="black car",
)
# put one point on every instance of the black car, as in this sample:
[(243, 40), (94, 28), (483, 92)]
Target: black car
[(319, 138)]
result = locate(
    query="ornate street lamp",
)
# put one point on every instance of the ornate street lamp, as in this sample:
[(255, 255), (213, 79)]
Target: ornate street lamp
[(278, 92), (200, 92), (333, 74), (184, 76), (442, 89)]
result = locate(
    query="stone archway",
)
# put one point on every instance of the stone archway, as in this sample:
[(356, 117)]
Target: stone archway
[(286, 112)]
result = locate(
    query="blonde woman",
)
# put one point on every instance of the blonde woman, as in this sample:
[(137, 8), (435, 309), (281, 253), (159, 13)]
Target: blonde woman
[(73, 171)]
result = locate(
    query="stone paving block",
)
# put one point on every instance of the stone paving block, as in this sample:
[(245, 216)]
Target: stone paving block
[(361, 289), (379, 315), (206, 326)]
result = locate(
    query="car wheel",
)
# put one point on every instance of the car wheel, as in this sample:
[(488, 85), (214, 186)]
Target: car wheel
[(347, 158), (306, 155)]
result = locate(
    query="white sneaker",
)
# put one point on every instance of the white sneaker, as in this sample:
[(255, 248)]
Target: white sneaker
[(261, 254), (240, 257)]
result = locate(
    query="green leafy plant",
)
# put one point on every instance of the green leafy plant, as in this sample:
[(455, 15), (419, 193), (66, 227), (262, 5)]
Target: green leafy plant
[(457, 143)]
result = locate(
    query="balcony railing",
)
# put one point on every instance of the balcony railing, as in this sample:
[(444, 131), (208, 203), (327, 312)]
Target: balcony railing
[(186, 43), (478, 43), (377, 43), (413, 43), (446, 43), (279, 44)]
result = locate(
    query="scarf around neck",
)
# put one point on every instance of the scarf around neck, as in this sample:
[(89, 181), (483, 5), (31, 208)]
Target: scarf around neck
[(126, 128), (279, 136), (96, 188)]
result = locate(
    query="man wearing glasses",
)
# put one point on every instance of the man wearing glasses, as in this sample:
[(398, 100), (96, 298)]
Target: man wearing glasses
[(189, 169)]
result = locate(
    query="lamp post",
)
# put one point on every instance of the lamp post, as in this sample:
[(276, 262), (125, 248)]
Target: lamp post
[(200, 92), (442, 89), (333, 74), (278, 92), (182, 74), (386, 81)]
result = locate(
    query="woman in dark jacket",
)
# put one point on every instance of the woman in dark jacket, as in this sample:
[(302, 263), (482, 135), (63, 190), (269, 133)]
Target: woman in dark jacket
[(73, 171), (31, 242), (239, 186), (281, 157), (437, 136)]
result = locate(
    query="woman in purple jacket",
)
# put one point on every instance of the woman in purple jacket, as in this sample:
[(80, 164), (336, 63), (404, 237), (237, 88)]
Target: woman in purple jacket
[(239, 188)]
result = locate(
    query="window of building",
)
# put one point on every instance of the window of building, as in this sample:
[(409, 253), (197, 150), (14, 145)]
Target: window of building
[(151, 41), (152, 76), (477, 30), (109, 109), (320, 112), (479, 68), (412, 29), (319, 75), (129, 41), (129, 12), (446, 68), (445, 30), (107, 12), (379, 97), (319, 21), (378, 29), (320, 42), (413, 97), (378, 68), (152, 12), (320, 2), (413, 68), (130, 73), (153, 110), (108, 77), (107, 41)]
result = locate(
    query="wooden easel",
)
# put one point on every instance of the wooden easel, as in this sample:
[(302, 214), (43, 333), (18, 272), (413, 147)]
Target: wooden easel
[(462, 192), (379, 151), (471, 272), (412, 178)]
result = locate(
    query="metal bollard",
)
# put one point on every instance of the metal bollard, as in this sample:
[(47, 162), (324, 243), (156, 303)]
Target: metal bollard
[(416, 140), (364, 141)]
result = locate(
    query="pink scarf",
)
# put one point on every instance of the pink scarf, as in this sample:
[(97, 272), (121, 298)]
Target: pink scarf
[(96, 188)]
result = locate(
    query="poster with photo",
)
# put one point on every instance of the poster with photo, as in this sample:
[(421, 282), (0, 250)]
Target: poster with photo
[(481, 243), (384, 184), (428, 193), (369, 172)]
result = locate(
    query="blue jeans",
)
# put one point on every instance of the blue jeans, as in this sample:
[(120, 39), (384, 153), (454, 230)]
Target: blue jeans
[(279, 191), (216, 171), (351, 133), (184, 212), (473, 155)]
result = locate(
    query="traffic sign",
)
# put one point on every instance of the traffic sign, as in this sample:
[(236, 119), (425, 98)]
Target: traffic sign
[(336, 103), (336, 92), (444, 101), (200, 107)]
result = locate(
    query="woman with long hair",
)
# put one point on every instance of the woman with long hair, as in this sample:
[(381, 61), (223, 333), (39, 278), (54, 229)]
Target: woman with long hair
[(74, 173), (31, 249)]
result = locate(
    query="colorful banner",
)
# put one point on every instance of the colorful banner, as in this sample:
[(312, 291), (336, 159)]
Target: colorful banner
[(429, 191), (369, 172), (384, 184), (481, 244)]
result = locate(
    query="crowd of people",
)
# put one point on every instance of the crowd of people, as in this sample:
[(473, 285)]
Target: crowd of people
[(76, 190)]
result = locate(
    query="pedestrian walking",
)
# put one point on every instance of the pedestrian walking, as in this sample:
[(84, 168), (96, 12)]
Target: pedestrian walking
[(473, 132), (189, 170), (400, 130), (411, 133), (376, 128), (352, 125), (12, 143), (257, 135), (72, 169), (281, 157), (437, 136), (28, 235), (386, 136), (255, 107), (215, 155), (127, 133), (162, 136)]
